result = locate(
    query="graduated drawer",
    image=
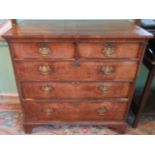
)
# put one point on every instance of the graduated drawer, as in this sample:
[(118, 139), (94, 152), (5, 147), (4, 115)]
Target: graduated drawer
[(84, 111), (71, 70), (43, 50), (91, 90), (109, 50)]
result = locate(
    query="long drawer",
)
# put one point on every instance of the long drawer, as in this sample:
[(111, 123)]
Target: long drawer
[(75, 70), (91, 90), (84, 111)]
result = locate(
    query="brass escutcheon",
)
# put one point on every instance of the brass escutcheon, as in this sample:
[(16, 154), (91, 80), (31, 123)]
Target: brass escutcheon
[(76, 64)]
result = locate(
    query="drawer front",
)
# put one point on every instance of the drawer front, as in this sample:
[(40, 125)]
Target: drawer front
[(43, 50), (74, 112), (49, 90), (98, 50), (67, 71)]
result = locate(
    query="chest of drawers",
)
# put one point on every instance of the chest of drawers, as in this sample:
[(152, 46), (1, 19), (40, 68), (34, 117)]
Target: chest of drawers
[(76, 72)]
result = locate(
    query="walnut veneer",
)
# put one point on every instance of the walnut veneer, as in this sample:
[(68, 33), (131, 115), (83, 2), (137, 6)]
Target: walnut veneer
[(76, 71)]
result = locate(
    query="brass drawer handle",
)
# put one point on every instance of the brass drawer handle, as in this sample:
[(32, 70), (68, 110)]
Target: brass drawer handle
[(101, 111), (108, 49), (44, 51), (104, 89), (46, 88), (107, 69), (45, 69), (48, 110)]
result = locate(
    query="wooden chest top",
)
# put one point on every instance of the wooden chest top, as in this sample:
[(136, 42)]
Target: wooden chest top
[(77, 29)]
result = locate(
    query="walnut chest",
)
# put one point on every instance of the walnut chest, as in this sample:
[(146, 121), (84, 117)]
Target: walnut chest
[(76, 71)]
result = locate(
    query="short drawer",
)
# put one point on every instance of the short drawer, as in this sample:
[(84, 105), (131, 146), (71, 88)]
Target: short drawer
[(91, 90), (67, 71), (84, 111), (109, 50), (43, 50)]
